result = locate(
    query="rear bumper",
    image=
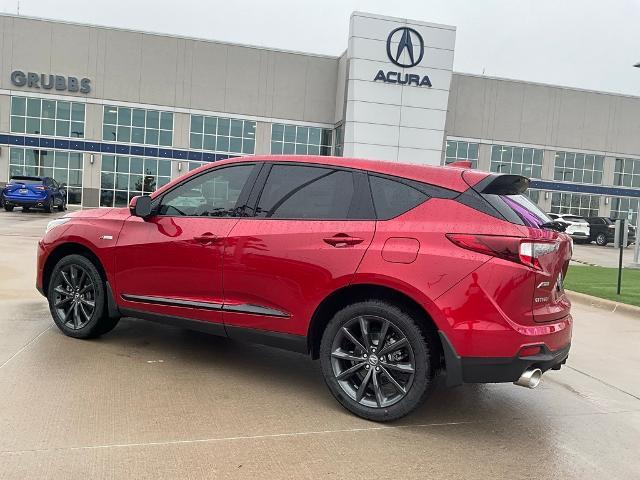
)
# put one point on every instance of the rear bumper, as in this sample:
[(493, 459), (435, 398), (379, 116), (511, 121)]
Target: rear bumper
[(24, 202), (461, 370)]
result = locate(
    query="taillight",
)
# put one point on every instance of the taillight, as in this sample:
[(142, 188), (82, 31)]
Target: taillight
[(40, 187), (515, 249)]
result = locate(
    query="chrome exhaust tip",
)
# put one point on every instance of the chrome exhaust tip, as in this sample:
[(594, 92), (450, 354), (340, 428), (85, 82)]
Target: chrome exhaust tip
[(530, 378)]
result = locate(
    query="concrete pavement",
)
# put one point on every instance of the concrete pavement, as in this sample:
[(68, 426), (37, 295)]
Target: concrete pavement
[(149, 401)]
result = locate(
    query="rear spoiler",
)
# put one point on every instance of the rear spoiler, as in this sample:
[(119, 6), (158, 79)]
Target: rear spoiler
[(501, 184)]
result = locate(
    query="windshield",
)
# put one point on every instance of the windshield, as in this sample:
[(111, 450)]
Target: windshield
[(527, 210)]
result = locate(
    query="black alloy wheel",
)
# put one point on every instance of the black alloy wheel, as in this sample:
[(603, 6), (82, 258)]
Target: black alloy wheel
[(376, 361), (373, 361), (601, 239), (76, 295)]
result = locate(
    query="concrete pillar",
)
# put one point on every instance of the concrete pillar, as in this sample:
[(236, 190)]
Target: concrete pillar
[(181, 130), (484, 157), (608, 167), (93, 122), (91, 180), (548, 164), (263, 138)]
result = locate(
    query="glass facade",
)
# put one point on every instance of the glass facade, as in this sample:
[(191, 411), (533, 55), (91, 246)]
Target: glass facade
[(458, 150), (122, 178), (627, 172), (622, 207), (517, 160), (224, 135), (55, 118), (299, 140), (578, 167), (64, 166), (575, 204), (137, 125)]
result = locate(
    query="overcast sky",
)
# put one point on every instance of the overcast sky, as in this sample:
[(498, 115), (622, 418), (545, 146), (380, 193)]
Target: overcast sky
[(582, 43)]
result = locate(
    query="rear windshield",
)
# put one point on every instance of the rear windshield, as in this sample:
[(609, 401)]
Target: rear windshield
[(26, 180), (527, 210)]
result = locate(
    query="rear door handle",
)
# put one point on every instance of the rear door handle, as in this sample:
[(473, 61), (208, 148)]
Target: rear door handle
[(342, 240), (205, 238)]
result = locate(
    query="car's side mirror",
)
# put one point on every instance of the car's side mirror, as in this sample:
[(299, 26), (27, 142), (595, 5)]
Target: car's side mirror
[(140, 206)]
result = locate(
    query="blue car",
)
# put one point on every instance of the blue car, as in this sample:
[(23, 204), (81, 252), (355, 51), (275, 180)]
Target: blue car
[(34, 192)]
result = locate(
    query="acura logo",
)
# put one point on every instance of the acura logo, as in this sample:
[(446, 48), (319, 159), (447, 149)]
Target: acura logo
[(410, 41)]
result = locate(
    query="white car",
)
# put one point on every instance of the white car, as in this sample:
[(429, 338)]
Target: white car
[(576, 227)]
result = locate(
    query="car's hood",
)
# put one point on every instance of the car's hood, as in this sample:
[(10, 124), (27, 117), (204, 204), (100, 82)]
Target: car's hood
[(99, 213)]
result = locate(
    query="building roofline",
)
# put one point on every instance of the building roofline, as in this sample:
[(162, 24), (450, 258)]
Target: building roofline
[(169, 35), (542, 84)]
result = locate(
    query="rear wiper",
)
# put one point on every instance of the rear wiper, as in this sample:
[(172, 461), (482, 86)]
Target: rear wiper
[(558, 227)]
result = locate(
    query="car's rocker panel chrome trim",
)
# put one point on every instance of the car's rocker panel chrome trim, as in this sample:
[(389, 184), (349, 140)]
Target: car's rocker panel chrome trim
[(172, 302), (175, 302)]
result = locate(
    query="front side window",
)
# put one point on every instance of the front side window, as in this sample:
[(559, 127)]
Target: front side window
[(392, 198), (212, 194), (301, 192)]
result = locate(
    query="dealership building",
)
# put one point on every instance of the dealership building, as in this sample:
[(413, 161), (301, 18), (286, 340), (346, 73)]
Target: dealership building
[(115, 113)]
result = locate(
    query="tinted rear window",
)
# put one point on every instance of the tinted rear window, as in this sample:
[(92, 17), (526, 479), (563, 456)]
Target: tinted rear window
[(26, 180), (297, 192), (392, 198), (527, 210)]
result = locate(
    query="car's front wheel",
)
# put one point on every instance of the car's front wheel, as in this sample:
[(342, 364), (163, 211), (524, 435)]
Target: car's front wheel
[(376, 360), (8, 208), (76, 297), (601, 239)]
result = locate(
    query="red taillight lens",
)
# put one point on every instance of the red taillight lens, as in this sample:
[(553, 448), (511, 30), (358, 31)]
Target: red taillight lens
[(515, 249), (39, 187)]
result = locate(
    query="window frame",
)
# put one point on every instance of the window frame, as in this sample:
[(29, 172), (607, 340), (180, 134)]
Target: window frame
[(243, 197)]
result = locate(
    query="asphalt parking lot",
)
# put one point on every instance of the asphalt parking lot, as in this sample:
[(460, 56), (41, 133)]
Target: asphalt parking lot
[(150, 401), (607, 256)]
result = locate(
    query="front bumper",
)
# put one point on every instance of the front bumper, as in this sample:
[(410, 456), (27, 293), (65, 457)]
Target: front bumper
[(461, 370)]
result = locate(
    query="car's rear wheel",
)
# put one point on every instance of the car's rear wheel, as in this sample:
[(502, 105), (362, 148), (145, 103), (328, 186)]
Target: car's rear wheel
[(25, 209), (601, 239), (376, 361), (76, 297), (49, 206), (63, 206)]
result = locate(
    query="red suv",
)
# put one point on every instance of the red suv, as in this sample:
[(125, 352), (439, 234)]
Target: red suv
[(390, 274)]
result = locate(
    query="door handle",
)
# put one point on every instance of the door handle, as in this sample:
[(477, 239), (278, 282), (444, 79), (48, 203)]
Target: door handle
[(205, 238), (342, 240)]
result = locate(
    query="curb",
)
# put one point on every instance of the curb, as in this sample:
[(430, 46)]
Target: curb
[(603, 303)]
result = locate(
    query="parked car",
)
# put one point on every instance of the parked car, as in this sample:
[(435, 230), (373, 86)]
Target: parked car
[(390, 274), (34, 192), (603, 231), (576, 227)]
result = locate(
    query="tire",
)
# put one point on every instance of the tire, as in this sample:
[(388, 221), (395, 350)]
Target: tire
[(62, 207), (8, 208), (601, 239), (341, 356), (49, 206), (25, 209), (73, 275)]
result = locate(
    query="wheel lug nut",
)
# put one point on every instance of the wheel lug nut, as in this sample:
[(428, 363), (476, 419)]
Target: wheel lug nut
[(377, 369), (365, 355), (367, 367)]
